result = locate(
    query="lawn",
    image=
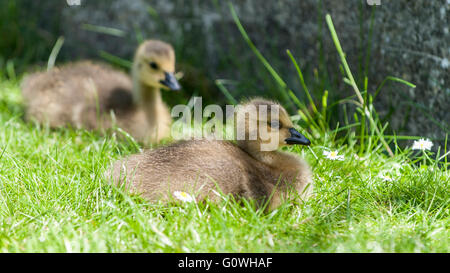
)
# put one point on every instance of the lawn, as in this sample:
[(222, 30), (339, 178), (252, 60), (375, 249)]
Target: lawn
[(53, 198)]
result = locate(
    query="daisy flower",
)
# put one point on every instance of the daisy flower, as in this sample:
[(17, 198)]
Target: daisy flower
[(422, 144), (183, 196), (333, 155), (385, 177)]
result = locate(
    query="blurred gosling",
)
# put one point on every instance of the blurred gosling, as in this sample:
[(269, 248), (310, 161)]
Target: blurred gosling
[(96, 96)]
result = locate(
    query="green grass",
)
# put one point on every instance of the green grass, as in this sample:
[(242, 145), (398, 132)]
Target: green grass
[(53, 199)]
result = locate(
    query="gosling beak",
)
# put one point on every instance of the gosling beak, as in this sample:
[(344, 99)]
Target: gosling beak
[(297, 138), (170, 81)]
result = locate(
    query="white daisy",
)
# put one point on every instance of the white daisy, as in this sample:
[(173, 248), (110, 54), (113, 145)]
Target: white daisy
[(183, 196), (385, 177), (422, 144), (333, 155)]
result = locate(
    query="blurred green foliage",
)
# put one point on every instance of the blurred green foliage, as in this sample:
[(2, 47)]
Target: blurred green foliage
[(23, 40)]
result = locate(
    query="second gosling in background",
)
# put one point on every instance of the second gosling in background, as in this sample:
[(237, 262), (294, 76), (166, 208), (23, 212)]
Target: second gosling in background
[(204, 167), (84, 94)]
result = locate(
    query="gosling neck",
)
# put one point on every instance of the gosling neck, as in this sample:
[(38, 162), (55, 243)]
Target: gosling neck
[(278, 160), (148, 98), (271, 158)]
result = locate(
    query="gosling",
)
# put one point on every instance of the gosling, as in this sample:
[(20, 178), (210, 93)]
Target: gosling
[(251, 169), (95, 96)]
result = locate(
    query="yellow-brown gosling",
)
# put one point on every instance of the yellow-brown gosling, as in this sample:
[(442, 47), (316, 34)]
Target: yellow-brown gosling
[(95, 96), (198, 167)]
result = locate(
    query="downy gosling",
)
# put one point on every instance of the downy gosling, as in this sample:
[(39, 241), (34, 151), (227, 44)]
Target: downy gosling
[(204, 167), (95, 96)]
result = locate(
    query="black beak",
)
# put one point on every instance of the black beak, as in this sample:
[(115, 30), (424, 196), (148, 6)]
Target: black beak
[(297, 138), (170, 81)]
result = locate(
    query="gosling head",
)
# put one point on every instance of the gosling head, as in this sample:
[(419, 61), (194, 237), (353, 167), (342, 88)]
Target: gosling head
[(154, 65), (263, 125)]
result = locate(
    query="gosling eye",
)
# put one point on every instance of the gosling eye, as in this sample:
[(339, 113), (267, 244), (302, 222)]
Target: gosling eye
[(153, 65), (275, 124)]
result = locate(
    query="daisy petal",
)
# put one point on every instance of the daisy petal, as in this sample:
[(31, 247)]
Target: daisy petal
[(333, 155), (422, 144), (183, 196)]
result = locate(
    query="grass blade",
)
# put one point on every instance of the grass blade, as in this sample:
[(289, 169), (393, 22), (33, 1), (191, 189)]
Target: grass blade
[(55, 51)]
